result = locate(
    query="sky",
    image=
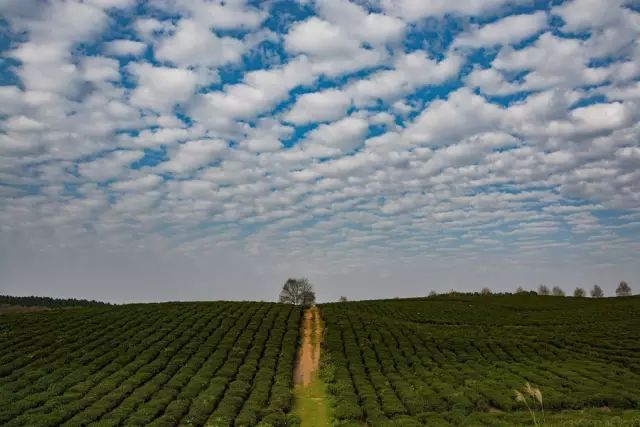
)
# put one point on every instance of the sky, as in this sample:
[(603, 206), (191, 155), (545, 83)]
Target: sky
[(204, 150)]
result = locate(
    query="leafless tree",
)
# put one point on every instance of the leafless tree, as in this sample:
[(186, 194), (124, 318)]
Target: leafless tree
[(579, 293), (485, 291), (343, 299), (297, 292), (543, 290), (557, 292), (596, 292), (623, 289)]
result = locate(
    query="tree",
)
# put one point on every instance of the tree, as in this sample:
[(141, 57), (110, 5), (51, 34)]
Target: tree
[(596, 292), (623, 289), (520, 290), (579, 293), (485, 291), (432, 294), (557, 292), (297, 292), (343, 299), (543, 290)]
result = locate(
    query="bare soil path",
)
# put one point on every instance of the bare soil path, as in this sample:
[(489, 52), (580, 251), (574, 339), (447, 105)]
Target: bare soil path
[(311, 402)]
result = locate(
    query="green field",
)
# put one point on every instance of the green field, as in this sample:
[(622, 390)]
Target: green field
[(444, 361), (150, 364), (456, 360)]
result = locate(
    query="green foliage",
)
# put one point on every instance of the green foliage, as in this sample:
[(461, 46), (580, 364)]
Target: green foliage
[(222, 363), (34, 301), (456, 359)]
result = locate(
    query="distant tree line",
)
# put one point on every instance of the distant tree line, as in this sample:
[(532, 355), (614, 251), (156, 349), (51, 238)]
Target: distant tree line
[(34, 301), (623, 290)]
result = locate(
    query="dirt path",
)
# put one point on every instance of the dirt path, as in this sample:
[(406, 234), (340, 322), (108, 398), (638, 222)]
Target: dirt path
[(311, 402), (309, 356)]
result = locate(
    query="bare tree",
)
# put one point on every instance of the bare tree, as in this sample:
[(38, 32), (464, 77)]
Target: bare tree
[(579, 293), (543, 290), (623, 289), (297, 292), (557, 292), (520, 290), (596, 292), (342, 299), (432, 294), (485, 291)]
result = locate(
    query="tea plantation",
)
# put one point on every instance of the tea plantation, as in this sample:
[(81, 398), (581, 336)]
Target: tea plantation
[(452, 360), (456, 360), (169, 364)]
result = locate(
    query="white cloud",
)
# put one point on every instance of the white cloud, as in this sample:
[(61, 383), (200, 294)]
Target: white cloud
[(333, 50), (415, 10), (509, 30), (319, 38), (259, 91), (321, 106), (222, 15), (98, 69), (375, 28), (161, 87), (125, 47), (193, 155), (110, 166), (582, 14), (335, 138), (141, 184), (460, 115), (194, 44), (411, 71)]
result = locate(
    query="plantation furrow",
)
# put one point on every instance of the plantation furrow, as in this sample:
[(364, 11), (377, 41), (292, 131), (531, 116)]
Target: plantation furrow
[(55, 411), (204, 403), (144, 391), (148, 411), (144, 367), (454, 361), (249, 413), (53, 323), (238, 388), (150, 364), (63, 374), (32, 403), (56, 346)]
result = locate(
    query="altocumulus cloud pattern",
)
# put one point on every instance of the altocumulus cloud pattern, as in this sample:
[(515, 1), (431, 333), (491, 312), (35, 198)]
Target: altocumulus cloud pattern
[(362, 142)]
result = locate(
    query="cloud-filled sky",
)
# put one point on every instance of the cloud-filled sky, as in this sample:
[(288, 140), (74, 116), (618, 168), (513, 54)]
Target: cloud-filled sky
[(197, 149)]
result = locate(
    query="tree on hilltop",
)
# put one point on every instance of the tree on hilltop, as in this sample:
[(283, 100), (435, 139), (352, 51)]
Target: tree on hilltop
[(543, 290), (579, 293), (557, 292), (623, 289), (597, 292), (297, 292)]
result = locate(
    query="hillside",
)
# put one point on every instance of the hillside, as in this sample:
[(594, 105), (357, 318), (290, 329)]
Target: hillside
[(456, 360), (442, 361)]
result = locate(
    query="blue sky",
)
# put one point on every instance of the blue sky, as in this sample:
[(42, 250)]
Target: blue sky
[(209, 150)]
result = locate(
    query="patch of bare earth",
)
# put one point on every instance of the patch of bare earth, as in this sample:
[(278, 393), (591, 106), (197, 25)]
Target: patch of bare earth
[(309, 356)]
